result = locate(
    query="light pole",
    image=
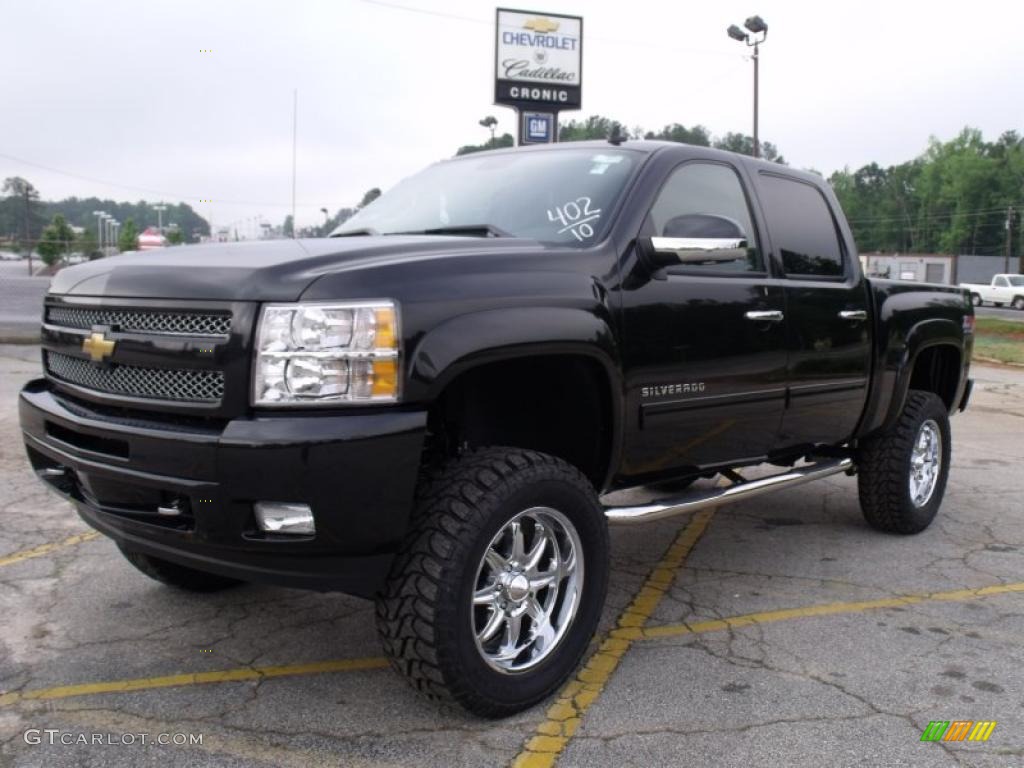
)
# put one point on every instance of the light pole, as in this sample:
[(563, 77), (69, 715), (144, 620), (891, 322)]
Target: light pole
[(756, 26), (160, 208), (490, 122), (99, 228)]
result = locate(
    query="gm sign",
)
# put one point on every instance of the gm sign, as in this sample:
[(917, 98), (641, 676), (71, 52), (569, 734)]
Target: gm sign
[(538, 60)]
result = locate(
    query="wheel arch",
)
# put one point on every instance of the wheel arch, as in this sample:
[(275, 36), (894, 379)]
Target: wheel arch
[(544, 379)]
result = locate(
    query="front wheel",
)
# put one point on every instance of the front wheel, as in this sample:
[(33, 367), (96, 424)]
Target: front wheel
[(498, 588), (902, 471)]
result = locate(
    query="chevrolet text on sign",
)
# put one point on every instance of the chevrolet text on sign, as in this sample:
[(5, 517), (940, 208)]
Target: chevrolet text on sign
[(538, 59)]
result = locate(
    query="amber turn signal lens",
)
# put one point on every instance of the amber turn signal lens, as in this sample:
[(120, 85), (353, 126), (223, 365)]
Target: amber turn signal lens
[(385, 377), (386, 336)]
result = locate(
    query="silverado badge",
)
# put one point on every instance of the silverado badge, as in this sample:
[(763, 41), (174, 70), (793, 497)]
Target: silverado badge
[(98, 347)]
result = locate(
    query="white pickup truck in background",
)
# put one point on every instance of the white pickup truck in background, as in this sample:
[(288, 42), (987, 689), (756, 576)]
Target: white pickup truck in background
[(1004, 290)]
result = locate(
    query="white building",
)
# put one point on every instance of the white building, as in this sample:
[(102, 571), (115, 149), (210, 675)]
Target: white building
[(919, 267)]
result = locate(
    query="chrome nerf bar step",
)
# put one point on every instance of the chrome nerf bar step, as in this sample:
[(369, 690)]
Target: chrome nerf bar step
[(738, 491)]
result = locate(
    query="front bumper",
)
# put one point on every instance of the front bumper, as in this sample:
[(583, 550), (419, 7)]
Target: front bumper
[(127, 475)]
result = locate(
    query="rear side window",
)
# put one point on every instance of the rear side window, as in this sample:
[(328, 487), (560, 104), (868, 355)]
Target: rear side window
[(801, 227)]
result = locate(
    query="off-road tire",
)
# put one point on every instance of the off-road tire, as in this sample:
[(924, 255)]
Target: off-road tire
[(424, 614), (884, 468), (178, 576)]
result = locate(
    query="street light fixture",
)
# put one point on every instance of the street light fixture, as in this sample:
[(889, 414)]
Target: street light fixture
[(160, 208), (99, 228), (758, 31)]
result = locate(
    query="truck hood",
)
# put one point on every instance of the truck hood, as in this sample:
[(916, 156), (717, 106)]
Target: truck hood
[(267, 270)]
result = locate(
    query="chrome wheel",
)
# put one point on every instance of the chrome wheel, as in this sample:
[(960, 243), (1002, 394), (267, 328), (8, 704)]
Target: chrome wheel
[(925, 463), (527, 589)]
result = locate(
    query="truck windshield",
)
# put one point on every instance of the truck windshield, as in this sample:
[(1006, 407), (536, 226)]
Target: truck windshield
[(562, 196), (1015, 279)]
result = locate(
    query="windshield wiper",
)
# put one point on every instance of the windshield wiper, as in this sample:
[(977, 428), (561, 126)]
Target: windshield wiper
[(479, 230)]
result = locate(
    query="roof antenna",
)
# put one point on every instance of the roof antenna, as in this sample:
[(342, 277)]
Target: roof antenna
[(615, 135)]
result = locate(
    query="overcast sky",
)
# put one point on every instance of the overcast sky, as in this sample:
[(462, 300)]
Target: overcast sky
[(120, 96)]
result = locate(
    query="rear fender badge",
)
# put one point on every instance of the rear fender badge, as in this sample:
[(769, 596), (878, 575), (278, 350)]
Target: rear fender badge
[(660, 390)]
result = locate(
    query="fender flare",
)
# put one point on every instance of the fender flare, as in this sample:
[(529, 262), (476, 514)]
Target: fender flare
[(929, 333), (468, 341)]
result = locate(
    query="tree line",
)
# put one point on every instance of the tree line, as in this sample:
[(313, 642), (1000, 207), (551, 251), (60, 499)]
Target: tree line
[(955, 198)]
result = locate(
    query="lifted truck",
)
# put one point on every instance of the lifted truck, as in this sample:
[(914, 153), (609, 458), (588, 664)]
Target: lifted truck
[(427, 407)]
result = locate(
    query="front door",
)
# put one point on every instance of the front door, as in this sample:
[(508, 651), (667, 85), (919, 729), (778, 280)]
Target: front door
[(827, 314), (703, 344)]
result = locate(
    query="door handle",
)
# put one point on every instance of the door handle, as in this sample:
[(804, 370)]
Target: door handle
[(765, 316), (854, 314)]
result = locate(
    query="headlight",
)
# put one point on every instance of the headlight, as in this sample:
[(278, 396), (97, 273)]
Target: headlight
[(307, 354)]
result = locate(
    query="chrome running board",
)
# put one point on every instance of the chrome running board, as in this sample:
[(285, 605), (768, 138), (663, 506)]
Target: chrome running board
[(738, 491)]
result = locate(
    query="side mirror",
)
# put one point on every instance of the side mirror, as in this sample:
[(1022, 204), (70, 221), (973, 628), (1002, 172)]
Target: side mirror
[(696, 239)]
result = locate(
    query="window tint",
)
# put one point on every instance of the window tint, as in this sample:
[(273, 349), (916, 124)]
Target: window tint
[(693, 203), (801, 227)]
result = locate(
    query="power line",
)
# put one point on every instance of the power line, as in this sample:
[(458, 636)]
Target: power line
[(948, 214), (148, 191)]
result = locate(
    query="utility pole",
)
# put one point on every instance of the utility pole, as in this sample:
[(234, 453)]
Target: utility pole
[(295, 133), (160, 217), (1009, 238)]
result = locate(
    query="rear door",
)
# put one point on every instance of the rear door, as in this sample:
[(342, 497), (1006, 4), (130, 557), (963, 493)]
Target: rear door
[(703, 344), (827, 314)]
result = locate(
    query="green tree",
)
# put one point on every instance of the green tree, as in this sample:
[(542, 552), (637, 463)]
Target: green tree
[(55, 241), (744, 145), (288, 228), (85, 244), (174, 236), (698, 135), (369, 197), (128, 237), (594, 127), (505, 140)]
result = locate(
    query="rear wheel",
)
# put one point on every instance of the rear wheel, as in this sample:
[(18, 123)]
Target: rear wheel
[(498, 588), (1018, 302), (176, 575), (902, 472), (976, 300)]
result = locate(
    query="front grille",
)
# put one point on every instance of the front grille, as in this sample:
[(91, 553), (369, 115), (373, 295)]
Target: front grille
[(170, 323), (178, 384)]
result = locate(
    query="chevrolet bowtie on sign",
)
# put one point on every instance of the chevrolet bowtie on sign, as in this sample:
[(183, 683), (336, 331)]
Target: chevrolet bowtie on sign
[(98, 347), (538, 60)]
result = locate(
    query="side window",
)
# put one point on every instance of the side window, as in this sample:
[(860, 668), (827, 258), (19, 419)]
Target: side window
[(801, 227), (705, 200), (1002, 282)]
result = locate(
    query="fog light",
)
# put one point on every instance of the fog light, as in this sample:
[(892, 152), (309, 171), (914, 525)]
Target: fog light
[(279, 517)]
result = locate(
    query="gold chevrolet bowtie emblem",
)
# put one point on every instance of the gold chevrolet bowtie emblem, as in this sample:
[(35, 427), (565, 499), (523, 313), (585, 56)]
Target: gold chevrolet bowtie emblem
[(541, 25), (98, 347)]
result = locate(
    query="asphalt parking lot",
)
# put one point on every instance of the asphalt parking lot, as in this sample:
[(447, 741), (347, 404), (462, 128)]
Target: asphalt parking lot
[(780, 631)]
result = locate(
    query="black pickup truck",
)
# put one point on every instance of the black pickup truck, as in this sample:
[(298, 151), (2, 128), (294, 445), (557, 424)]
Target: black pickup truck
[(428, 407)]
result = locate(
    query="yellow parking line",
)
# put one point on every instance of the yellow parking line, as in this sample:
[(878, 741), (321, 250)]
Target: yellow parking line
[(828, 609), (564, 716), (195, 678), (45, 549)]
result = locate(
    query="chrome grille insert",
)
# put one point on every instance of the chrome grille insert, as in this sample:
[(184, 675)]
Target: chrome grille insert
[(177, 384), (142, 321)]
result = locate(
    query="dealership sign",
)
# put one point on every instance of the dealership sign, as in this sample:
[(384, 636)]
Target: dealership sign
[(538, 60)]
